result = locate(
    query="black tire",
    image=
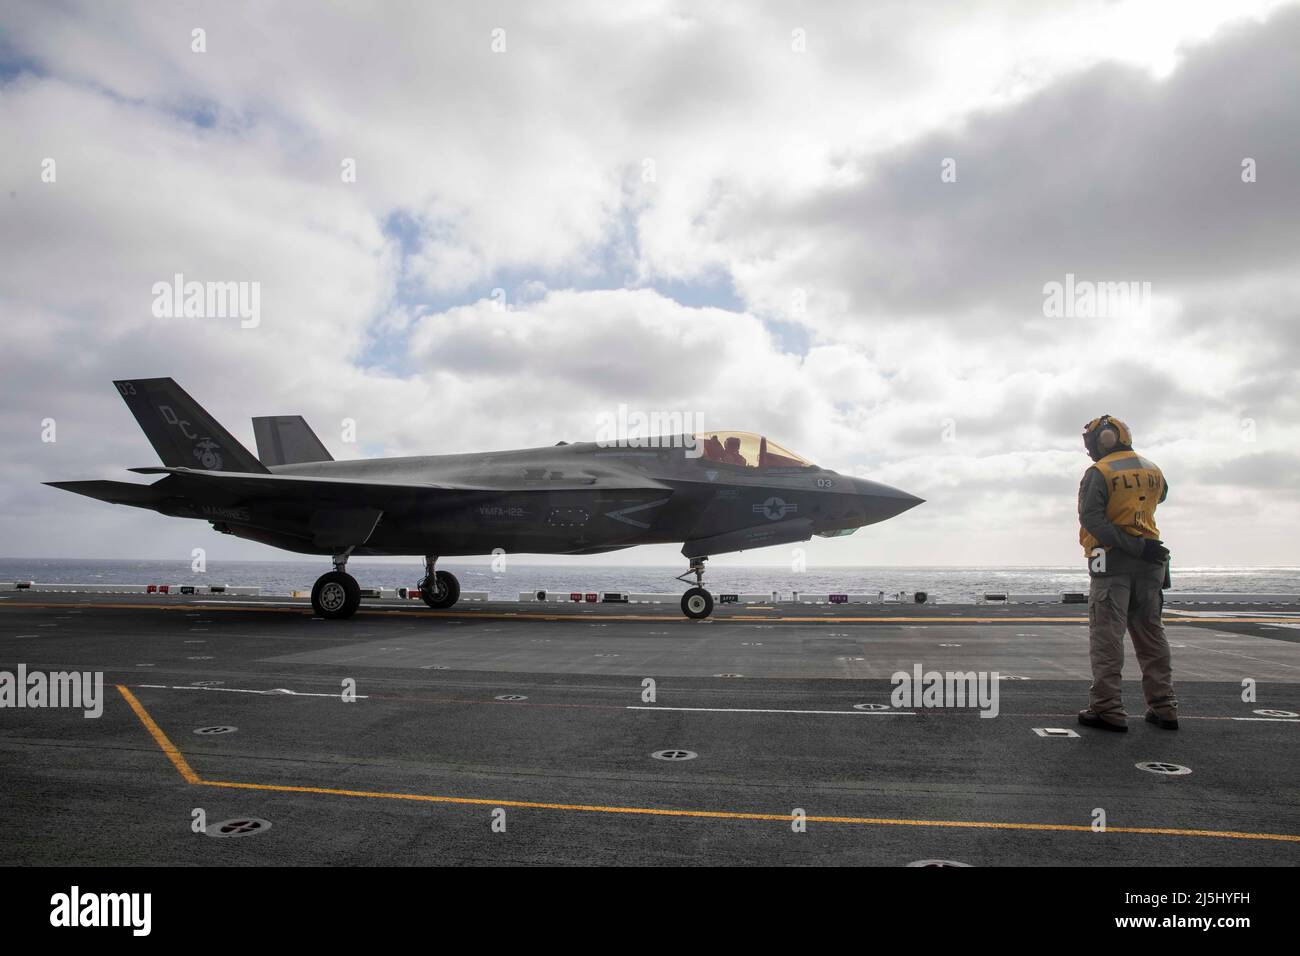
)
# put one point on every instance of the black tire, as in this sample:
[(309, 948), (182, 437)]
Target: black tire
[(336, 596), (444, 593), (697, 604)]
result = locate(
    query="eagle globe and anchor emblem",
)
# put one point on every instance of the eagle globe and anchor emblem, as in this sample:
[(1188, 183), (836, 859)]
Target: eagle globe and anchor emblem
[(208, 453)]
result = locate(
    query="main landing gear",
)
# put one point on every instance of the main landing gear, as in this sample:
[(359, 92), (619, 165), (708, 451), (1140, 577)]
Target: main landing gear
[(336, 594), (438, 589), (697, 603)]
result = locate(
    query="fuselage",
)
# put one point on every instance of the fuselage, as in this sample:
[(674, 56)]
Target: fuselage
[(580, 498)]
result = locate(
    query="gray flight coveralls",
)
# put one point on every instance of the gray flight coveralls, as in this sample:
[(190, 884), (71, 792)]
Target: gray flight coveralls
[(1126, 594)]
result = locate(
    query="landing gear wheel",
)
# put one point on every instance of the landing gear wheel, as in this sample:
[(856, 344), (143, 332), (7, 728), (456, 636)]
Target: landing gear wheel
[(442, 592), (336, 595), (697, 604)]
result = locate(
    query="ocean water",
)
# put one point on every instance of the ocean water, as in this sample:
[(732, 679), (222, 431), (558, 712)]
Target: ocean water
[(943, 584)]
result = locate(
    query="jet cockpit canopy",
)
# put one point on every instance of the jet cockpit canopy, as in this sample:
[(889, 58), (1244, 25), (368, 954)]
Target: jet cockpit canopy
[(748, 450)]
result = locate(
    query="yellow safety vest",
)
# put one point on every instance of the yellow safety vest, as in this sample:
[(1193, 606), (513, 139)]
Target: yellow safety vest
[(1135, 486)]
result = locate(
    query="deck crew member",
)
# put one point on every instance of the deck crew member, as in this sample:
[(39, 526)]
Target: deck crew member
[(1128, 566)]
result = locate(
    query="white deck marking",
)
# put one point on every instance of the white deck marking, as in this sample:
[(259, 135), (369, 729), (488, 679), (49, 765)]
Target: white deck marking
[(276, 692), (1244, 657)]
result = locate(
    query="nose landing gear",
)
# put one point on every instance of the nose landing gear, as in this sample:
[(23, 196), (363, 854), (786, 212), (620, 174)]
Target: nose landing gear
[(438, 589), (697, 603), (336, 595)]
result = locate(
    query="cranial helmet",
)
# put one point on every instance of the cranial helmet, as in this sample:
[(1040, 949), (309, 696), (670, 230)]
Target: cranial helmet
[(1103, 435)]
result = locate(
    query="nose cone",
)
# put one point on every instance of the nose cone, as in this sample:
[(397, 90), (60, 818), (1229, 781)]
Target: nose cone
[(883, 501)]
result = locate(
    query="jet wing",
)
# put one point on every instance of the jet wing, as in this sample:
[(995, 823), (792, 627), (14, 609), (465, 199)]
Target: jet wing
[(370, 490), (279, 485), (114, 492)]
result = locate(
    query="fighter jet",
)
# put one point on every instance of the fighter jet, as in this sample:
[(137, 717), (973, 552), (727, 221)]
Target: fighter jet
[(716, 492)]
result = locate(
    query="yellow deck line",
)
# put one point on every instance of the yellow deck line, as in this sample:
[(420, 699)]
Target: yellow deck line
[(741, 815), (173, 754), (178, 760)]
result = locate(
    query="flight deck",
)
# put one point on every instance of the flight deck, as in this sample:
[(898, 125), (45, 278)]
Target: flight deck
[(508, 732)]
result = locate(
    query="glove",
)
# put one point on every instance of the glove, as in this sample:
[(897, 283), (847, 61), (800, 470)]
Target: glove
[(1154, 551)]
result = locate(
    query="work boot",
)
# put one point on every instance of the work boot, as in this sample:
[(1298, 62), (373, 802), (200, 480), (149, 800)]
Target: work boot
[(1164, 723), (1089, 719)]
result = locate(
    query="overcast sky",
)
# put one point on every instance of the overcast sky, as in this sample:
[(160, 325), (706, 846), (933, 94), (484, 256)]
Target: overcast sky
[(831, 223)]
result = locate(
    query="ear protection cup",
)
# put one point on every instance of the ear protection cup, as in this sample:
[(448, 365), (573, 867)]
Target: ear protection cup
[(1105, 433)]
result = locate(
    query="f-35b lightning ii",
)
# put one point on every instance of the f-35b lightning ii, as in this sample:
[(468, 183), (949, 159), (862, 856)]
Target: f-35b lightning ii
[(717, 492)]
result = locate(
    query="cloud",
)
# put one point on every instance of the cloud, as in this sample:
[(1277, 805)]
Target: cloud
[(1110, 174), (683, 213)]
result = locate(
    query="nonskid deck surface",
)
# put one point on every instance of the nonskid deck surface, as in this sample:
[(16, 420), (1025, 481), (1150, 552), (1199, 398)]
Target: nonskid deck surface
[(537, 715)]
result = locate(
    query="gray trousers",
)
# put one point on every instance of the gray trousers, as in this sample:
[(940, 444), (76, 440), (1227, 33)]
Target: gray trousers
[(1132, 603)]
